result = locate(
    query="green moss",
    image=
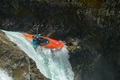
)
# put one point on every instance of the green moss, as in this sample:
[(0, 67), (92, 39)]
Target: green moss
[(95, 3), (91, 3), (23, 12)]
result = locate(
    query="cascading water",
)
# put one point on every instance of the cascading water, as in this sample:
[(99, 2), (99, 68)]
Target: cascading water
[(52, 64), (4, 75)]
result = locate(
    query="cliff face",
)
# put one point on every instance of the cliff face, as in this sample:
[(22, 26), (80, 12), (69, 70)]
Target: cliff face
[(91, 30), (16, 62)]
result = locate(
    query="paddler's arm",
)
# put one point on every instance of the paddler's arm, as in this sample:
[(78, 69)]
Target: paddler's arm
[(34, 43)]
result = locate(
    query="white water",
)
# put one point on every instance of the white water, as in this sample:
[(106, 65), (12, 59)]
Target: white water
[(4, 75), (54, 65)]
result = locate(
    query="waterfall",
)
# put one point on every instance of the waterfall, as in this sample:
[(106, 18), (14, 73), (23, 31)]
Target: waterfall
[(52, 64), (4, 75)]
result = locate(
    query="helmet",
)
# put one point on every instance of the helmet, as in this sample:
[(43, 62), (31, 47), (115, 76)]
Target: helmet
[(38, 34)]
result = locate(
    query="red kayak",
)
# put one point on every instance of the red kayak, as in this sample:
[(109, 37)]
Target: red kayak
[(53, 44)]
